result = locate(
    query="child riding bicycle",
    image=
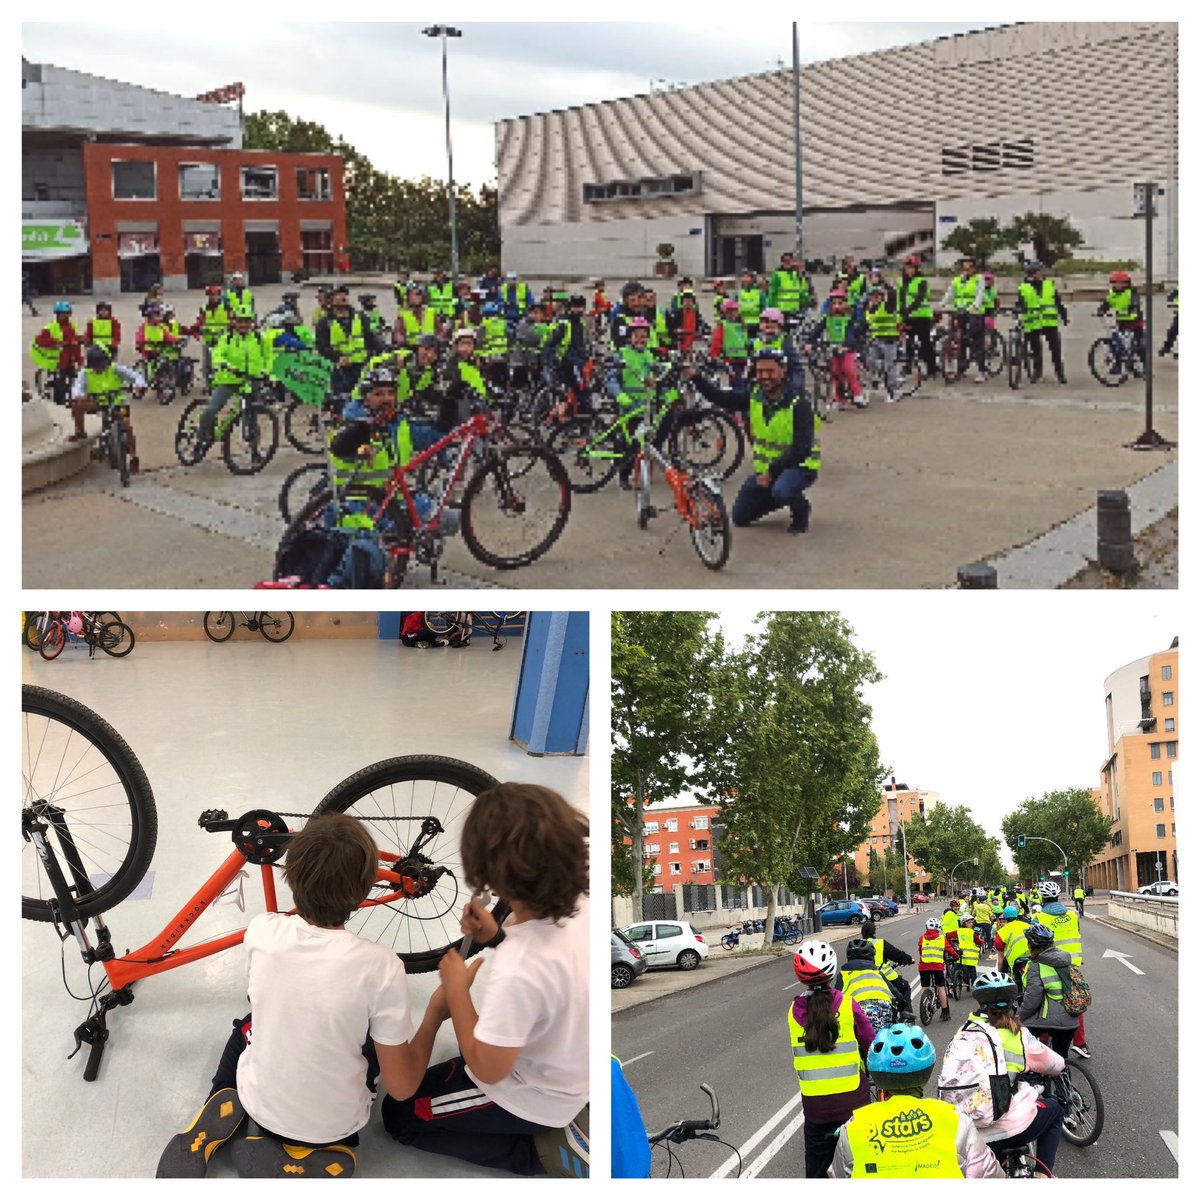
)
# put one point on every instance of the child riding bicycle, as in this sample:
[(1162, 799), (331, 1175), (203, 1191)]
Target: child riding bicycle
[(101, 384)]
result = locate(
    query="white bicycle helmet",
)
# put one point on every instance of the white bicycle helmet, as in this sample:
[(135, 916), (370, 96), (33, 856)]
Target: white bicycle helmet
[(934, 923), (1049, 889), (815, 963)]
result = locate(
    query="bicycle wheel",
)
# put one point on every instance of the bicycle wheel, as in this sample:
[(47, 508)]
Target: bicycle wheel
[(164, 385), (54, 638), (708, 523), (190, 447), (300, 487), (32, 634), (728, 941), (707, 442), (577, 443), (1083, 1106), (1016, 357), (440, 623), (515, 506), (909, 380), (276, 627), (955, 984), (948, 359), (79, 776), (303, 427), (122, 440), (1104, 364), (115, 639), (395, 796), (995, 353), (928, 1005), (251, 441)]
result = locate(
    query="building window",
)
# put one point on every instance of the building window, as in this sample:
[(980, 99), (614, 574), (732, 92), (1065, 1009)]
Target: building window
[(260, 183), (1156, 749), (650, 827), (988, 156), (312, 183), (1172, 749), (671, 825), (874, 840), (657, 871), (1169, 725), (637, 189), (702, 843), (1160, 831), (700, 865), (1172, 828), (1171, 777), (676, 869), (701, 822), (134, 181), (650, 848), (1156, 778), (1166, 674), (1116, 838), (1168, 699), (1158, 804), (673, 848), (199, 181)]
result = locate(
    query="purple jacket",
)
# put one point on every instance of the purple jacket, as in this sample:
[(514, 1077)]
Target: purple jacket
[(836, 1110)]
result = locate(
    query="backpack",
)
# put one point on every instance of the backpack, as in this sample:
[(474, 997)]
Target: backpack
[(1076, 995), (982, 1099)]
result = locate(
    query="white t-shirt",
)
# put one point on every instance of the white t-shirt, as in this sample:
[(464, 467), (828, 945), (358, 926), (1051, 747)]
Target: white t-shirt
[(537, 998), (315, 994)]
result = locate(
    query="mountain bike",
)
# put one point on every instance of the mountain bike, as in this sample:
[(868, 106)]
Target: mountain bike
[(247, 429), (873, 373), (169, 373), (954, 355), (447, 624), (515, 504), (1019, 358), (89, 827), (113, 442), (115, 638), (1117, 356), (679, 1132), (275, 627)]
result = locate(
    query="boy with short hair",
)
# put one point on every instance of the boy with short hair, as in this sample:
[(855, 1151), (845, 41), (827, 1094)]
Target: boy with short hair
[(330, 1011), (521, 1076)]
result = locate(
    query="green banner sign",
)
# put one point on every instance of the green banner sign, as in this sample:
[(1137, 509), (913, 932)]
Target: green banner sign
[(52, 239), (304, 373)]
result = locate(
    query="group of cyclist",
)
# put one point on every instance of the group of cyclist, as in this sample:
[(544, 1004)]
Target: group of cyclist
[(845, 1042)]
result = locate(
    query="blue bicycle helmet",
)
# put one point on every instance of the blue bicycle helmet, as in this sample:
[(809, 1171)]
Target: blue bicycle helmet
[(901, 1050), (1010, 912), (62, 306), (769, 352), (491, 309), (1039, 935)]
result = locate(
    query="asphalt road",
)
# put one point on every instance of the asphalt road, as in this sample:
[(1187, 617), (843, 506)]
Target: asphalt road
[(732, 1034)]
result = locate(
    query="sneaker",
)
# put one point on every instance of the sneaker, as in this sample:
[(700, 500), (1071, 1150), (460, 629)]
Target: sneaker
[(980, 377), (187, 1153), (439, 642), (134, 465), (269, 1158), (861, 401), (945, 1015), (798, 526), (1082, 1050), (565, 1153)]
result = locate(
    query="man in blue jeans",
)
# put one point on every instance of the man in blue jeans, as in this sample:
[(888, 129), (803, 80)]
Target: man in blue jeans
[(784, 433)]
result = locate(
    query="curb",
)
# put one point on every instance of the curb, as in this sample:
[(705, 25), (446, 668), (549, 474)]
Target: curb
[(1127, 927)]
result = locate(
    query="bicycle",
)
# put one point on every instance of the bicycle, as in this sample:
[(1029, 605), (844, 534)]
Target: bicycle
[(113, 442), (1078, 1092), (247, 429), (953, 355), (90, 824), (444, 624), (169, 373), (1117, 356), (1018, 353), (115, 638), (275, 627), (50, 384), (526, 486), (36, 624), (873, 373), (1023, 1163), (687, 1130)]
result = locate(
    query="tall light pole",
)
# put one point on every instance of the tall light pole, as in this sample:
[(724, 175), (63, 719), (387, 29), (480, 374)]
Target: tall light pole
[(444, 32), (796, 121)]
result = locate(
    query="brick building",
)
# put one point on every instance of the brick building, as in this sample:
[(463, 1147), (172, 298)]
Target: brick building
[(1137, 780), (679, 843), (904, 804), (122, 185)]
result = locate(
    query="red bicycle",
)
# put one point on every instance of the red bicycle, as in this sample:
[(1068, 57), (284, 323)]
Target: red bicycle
[(114, 637), (89, 827)]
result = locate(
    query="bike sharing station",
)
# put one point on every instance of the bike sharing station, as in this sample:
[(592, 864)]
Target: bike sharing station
[(204, 752)]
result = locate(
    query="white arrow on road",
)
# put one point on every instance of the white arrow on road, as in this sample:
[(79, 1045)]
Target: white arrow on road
[(1123, 958)]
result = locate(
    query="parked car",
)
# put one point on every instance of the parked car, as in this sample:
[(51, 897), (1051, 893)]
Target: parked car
[(628, 962), (874, 909), (920, 898), (841, 912), (1164, 887), (668, 944), (887, 902)]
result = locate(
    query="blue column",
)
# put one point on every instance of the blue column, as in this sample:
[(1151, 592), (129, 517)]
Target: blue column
[(550, 709), (389, 625)]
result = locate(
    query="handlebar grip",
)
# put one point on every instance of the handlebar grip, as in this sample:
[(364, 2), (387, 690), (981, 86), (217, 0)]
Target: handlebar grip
[(716, 1106), (93, 1063)]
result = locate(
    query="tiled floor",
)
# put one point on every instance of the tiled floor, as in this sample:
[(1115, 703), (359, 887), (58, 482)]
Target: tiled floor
[(236, 726)]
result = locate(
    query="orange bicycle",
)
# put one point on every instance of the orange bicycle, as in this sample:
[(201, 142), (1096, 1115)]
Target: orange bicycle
[(89, 827)]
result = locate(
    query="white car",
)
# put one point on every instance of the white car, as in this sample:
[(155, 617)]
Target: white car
[(668, 944), (1164, 887)]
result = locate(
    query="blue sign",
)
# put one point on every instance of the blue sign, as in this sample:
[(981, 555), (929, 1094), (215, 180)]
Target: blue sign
[(766, 242), (948, 220), (694, 232)]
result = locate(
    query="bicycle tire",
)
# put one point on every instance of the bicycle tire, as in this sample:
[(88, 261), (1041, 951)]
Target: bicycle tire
[(1072, 1134), (303, 428), (164, 389), (540, 474), (32, 633), (219, 626), (276, 627), (948, 359), (1100, 359), (440, 623), (52, 724), (1016, 359), (910, 379), (300, 487), (571, 441), (956, 984), (429, 923), (708, 524), (190, 447), (54, 638), (928, 1005), (123, 453), (112, 446), (247, 455), (995, 353), (707, 442), (116, 639)]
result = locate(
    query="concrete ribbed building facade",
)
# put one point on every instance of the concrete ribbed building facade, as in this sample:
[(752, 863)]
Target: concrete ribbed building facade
[(898, 146)]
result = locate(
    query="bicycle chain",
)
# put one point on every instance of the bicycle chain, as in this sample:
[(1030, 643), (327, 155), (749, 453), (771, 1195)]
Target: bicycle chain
[(379, 818)]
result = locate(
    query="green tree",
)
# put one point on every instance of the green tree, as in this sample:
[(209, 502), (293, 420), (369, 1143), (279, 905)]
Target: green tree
[(661, 667), (941, 839), (1070, 818), (978, 239), (885, 872), (1052, 237), (795, 764)]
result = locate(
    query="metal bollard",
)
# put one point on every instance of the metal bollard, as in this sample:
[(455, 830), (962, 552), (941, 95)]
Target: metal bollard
[(977, 575), (1114, 532)]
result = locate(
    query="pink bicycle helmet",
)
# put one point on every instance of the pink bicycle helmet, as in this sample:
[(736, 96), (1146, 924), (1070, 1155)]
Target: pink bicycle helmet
[(75, 623)]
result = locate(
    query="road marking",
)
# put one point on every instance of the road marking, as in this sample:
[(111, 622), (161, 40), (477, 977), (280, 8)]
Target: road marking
[(1122, 958), (626, 1061), (778, 1142), (732, 1161), (1172, 1143)]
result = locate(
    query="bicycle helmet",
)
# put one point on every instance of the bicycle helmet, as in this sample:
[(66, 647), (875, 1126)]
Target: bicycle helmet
[(290, 297), (75, 623), (100, 304), (838, 294), (467, 334), (995, 988), (97, 358), (273, 320), (215, 289), (168, 310), (1119, 277), (237, 275), (730, 306), (380, 376), (151, 310), (290, 318), (1049, 889), (815, 963), (428, 339), (491, 309), (639, 323), (912, 260), (62, 306), (1010, 912), (771, 314), (1039, 935), (988, 277), (966, 919), (365, 298), (769, 353), (577, 302), (510, 275), (901, 1050), (934, 923), (859, 948)]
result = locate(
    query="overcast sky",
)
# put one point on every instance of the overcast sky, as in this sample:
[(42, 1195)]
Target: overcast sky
[(993, 700), (379, 85)]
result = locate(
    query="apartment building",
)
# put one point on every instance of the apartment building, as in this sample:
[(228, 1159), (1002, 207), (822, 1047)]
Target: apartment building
[(901, 805), (678, 841)]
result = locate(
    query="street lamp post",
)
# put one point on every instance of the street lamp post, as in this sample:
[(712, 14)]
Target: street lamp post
[(846, 872), (444, 32), (796, 131), (954, 868)]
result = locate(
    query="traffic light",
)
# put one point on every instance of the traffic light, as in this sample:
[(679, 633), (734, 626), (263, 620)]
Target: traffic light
[(1066, 873), (1042, 878), (1020, 841)]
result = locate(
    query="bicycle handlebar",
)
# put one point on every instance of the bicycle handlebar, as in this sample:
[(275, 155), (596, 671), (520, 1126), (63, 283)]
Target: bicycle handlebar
[(682, 1131)]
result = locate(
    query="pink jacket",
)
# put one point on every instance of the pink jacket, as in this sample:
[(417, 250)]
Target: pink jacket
[(968, 1060)]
